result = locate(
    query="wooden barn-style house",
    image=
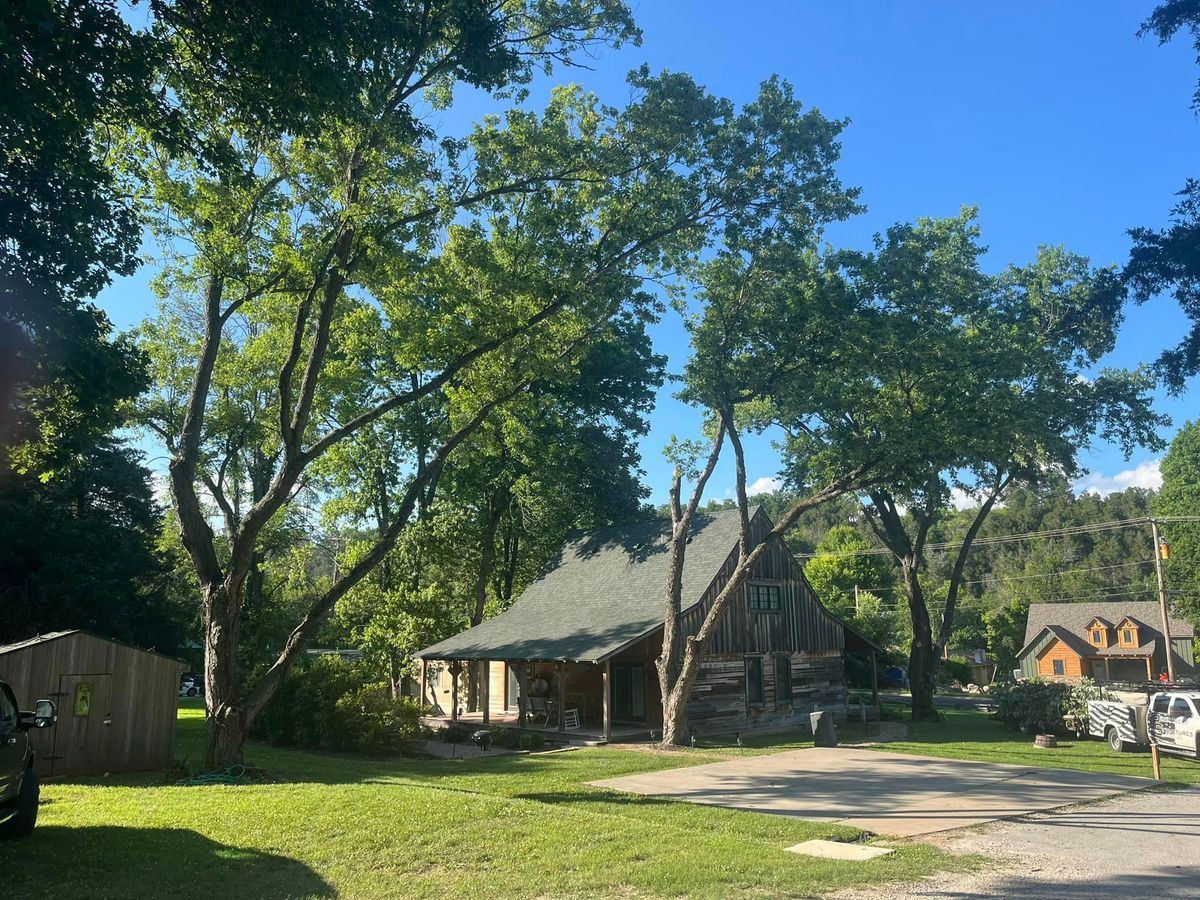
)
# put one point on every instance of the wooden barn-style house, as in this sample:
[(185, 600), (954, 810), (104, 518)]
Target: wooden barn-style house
[(1111, 641), (117, 704), (584, 637)]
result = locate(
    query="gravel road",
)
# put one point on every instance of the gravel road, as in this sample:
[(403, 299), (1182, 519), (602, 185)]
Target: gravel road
[(1140, 845)]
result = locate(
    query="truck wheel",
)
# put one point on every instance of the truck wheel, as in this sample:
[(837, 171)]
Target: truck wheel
[(21, 825), (192, 692), (1114, 740)]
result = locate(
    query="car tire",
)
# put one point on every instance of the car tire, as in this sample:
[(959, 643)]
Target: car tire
[(1114, 740), (192, 692), (21, 825)]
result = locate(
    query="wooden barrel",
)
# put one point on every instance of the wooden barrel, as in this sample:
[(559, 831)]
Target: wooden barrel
[(1046, 741)]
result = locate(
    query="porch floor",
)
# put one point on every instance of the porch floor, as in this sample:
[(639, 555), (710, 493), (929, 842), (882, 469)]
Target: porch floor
[(588, 734)]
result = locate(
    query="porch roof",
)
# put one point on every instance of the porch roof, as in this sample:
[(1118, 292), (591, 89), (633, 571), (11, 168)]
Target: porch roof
[(1146, 649), (603, 592)]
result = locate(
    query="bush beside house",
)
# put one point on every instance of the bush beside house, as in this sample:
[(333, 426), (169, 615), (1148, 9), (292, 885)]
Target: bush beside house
[(1037, 704), (329, 703)]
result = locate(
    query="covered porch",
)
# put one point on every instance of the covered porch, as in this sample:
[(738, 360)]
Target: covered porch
[(616, 698), (586, 734)]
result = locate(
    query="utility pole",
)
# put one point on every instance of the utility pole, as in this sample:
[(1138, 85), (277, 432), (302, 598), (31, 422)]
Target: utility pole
[(1162, 598)]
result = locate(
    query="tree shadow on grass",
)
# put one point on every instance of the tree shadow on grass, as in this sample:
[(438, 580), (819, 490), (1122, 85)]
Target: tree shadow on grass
[(63, 862)]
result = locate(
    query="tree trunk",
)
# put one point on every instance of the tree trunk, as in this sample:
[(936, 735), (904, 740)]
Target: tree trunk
[(676, 727), (487, 561), (923, 659), (227, 724)]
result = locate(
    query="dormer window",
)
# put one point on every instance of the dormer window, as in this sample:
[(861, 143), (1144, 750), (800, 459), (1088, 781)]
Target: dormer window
[(1127, 634), (1097, 632)]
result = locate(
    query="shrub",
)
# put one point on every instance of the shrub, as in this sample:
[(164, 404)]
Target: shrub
[(369, 720), (532, 741), (508, 738), (329, 703), (1032, 705), (454, 734), (954, 670)]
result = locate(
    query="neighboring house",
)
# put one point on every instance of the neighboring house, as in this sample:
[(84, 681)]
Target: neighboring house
[(585, 635), (1106, 641), (983, 667)]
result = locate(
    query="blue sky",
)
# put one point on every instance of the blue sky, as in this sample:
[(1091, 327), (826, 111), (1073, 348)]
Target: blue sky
[(1053, 118)]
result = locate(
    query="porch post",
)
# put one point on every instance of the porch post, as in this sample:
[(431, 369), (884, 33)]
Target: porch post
[(874, 680), (1107, 671), (455, 668), (607, 701), (424, 683), (485, 691), (522, 691), (562, 696), (1149, 669)]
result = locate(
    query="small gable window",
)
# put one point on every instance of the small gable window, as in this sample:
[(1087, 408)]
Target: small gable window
[(764, 597), (1060, 667), (1127, 636), (1097, 636)]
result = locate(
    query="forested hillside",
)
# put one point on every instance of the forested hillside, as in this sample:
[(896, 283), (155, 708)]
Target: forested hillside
[(1000, 580)]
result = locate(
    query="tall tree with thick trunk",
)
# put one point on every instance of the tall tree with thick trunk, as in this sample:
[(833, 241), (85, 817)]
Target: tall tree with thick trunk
[(376, 266), (1000, 364)]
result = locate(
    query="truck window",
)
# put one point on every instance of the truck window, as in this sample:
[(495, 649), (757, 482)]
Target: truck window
[(8, 712), (1160, 704), (1180, 709)]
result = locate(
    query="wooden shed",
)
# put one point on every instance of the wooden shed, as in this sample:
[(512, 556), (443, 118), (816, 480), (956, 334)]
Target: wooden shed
[(117, 704)]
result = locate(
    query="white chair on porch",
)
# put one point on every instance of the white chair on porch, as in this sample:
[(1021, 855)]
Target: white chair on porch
[(571, 718)]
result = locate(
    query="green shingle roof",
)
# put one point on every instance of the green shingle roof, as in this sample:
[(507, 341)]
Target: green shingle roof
[(605, 591)]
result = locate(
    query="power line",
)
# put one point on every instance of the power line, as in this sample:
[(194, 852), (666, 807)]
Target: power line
[(1013, 538), (1006, 578)]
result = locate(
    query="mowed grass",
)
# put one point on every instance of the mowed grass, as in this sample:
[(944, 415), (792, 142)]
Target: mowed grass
[(967, 734), (512, 826)]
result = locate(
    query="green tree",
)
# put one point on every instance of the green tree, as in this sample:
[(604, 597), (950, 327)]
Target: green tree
[(840, 574), (996, 364), (1006, 633), (1180, 496), (1168, 259), (390, 270), (80, 551)]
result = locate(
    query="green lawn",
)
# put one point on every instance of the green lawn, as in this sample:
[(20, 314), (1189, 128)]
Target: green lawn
[(514, 826), (972, 735)]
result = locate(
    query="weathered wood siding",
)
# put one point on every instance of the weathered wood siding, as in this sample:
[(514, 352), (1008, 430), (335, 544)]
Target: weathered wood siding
[(136, 692), (801, 624), (719, 702), (1056, 649), (802, 629)]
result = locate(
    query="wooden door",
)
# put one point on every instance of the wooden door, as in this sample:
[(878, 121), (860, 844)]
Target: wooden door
[(629, 692), (84, 730)]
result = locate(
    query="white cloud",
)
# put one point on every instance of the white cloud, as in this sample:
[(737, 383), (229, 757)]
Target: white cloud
[(960, 499), (1144, 475), (764, 485)]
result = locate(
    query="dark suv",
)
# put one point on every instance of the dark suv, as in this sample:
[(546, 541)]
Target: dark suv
[(18, 780)]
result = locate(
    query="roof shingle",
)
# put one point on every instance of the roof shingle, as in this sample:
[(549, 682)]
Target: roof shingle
[(1075, 618), (605, 590)]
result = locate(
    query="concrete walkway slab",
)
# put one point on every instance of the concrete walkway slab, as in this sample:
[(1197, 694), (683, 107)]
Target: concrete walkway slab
[(839, 850), (885, 793)]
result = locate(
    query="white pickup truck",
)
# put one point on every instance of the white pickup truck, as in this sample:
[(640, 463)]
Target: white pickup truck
[(1168, 719)]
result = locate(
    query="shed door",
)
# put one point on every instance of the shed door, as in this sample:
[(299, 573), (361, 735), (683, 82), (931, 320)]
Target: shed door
[(84, 730)]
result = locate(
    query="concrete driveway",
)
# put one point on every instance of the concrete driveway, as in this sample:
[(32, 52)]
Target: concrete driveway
[(885, 793)]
